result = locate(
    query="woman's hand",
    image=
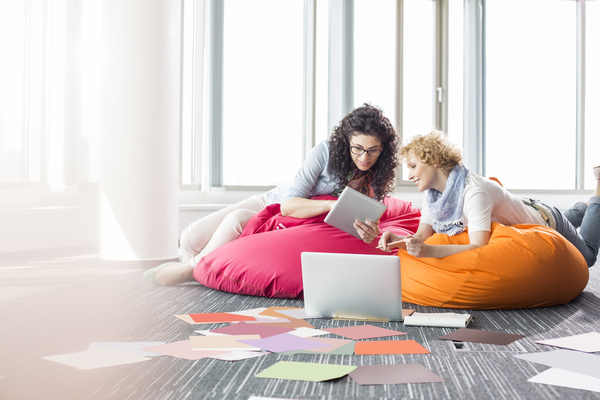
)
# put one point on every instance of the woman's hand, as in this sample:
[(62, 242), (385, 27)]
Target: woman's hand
[(390, 241), (367, 230), (416, 247)]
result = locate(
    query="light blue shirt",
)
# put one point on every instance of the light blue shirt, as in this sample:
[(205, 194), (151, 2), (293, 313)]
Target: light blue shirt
[(312, 179)]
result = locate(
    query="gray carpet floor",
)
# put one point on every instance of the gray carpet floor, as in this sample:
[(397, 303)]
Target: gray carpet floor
[(61, 305)]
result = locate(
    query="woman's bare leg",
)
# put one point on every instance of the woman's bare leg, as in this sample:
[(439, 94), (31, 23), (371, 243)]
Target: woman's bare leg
[(172, 273), (228, 228)]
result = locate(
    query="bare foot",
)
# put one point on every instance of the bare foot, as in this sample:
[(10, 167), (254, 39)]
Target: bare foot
[(170, 274)]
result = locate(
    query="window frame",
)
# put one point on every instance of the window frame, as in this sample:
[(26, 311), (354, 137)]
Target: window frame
[(339, 82)]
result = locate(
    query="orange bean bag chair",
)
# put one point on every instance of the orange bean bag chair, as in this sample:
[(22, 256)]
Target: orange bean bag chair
[(523, 266)]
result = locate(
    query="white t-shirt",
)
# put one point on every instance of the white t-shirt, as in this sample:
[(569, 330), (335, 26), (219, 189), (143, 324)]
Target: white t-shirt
[(312, 179), (485, 201)]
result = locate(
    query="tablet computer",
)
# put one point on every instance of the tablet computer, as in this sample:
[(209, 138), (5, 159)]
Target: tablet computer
[(353, 205)]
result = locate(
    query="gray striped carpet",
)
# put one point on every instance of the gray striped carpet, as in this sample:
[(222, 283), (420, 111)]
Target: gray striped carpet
[(62, 305)]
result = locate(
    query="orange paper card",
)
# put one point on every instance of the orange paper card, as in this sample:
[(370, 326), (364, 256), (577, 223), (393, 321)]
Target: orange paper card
[(208, 318), (389, 347)]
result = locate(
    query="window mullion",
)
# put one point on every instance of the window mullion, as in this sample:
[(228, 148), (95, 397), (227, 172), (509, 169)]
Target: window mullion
[(441, 65), (473, 112), (215, 115), (580, 79), (341, 60), (309, 81)]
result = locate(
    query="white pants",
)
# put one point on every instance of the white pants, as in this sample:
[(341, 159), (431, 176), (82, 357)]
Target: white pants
[(211, 232)]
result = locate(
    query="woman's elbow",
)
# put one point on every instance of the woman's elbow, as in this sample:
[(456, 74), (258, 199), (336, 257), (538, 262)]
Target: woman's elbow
[(285, 209)]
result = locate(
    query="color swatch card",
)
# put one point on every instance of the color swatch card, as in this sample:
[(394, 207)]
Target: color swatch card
[(223, 342), (257, 313), (303, 371), (587, 342), (389, 347), (568, 379), (243, 328), (275, 311), (210, 318), (97, 358), (130, 347), (308, 332), (239, 355), (284, 342), (293, 323), (364, 332), (333, 346), (574, 361), (478, 336), (182, 349), (393, 374)]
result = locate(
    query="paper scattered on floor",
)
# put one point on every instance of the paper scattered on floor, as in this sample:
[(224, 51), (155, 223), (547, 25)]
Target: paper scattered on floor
[(308, 332), (243, 328), (389, 347), (211, 318), (97, 358), (239, 355), (568, 379), (223, 342), (587, 342), (303, 371), (479, 336), (183, 349), (364, 332), (574, 361), (285, 342), (130, 347), (393, 374)]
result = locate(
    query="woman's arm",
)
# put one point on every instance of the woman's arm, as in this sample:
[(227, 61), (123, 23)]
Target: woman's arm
[(299, 207), (390, 241), (416, 247)]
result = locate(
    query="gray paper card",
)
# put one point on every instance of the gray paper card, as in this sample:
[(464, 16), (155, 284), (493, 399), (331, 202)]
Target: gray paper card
[(574, 361)]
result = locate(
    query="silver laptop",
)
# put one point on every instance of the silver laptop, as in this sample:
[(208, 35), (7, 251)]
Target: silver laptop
[(354, 286), (353, 205)]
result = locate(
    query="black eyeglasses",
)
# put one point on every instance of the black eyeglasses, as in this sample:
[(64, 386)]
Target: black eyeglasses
[(359, 151)]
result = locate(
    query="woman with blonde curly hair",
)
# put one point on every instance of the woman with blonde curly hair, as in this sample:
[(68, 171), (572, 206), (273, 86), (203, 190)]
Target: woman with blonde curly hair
[(362, 153), (456, 199)]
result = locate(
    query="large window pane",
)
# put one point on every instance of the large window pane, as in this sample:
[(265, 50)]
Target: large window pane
[(592, 92), (531, 93), (262, 91), (418, 65), (322, 130), (23, 46), (455, 71), (375, 55)]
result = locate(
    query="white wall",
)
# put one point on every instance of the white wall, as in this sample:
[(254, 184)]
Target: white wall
[(72, 223)]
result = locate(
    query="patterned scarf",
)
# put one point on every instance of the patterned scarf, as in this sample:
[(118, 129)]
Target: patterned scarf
[(359, 181), (447, 208)]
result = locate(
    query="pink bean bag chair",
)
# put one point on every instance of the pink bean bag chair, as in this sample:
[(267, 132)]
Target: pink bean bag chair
[(265, 259)]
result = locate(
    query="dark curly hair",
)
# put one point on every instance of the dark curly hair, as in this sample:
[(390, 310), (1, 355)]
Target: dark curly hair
[(367, 120)]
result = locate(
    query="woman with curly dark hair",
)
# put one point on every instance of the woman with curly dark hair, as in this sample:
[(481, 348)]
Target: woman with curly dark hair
[(360, 153)]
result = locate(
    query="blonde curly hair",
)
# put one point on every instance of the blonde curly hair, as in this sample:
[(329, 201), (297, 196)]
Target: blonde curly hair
[(433, 148)]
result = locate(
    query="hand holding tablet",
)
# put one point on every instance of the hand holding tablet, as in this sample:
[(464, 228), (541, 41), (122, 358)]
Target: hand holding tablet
[(351, 206)]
